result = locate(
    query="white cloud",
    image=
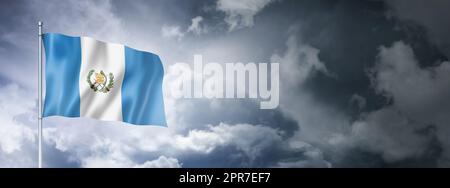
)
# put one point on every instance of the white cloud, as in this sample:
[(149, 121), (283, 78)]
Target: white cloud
[(14, 104), (250, 139), (92, 144), (319, 123), (312, 157), (299, 61), (196, 27), (239, 13), (105, 152), (113, 154), (115, 145), (388, 132), (161, 162), (419, 101), (17, 127), (175, 31), (172, 31), (93, 147)]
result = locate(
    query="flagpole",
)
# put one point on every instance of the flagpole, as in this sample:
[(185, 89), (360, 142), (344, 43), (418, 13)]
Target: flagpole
[(40, 96)]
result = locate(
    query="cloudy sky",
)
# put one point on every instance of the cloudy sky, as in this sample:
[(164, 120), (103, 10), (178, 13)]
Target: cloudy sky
[(363, 83)]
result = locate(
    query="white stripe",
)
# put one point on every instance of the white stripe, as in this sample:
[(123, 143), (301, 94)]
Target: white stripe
[(110, 58)]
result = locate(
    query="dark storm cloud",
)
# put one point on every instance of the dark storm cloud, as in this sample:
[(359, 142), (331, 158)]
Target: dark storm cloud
[(348, 35), (411, 130), (433, 15)]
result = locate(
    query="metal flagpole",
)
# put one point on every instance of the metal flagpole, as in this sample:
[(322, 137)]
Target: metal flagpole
[(40, 96)]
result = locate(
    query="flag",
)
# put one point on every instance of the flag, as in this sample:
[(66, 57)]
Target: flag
[(89, 78)]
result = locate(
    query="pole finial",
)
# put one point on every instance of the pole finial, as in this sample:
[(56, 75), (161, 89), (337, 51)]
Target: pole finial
[(40, 23)]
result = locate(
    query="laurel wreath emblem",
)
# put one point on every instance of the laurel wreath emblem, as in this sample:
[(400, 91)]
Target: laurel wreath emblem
[(100, 83)]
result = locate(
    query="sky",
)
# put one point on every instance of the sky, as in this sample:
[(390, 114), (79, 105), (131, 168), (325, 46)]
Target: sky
[(362, 83)]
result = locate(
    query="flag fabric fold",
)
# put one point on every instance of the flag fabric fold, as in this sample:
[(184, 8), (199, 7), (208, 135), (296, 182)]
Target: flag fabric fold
[(105, 81)]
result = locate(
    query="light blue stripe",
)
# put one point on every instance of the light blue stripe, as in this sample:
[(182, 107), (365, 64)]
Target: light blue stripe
[(142, 97), (62, 70)]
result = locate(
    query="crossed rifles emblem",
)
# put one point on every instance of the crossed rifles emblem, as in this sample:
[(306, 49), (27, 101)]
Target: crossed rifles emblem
[(102, 83)]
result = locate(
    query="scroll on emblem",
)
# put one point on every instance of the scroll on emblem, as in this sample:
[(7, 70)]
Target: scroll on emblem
[(99, 82)]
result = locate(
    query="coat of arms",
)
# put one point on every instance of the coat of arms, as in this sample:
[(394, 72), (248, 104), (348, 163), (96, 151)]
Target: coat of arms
[(100, 82)]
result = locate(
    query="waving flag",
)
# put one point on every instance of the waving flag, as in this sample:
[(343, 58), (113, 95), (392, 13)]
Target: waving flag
[(105, 81)]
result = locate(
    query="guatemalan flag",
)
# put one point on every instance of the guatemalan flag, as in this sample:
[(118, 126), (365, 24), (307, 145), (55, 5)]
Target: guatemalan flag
[(105, 81)]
